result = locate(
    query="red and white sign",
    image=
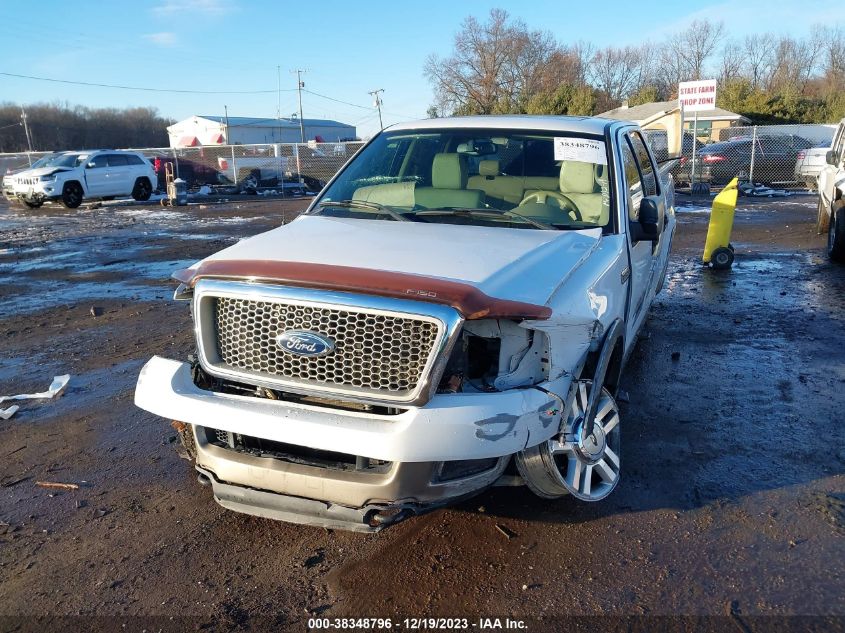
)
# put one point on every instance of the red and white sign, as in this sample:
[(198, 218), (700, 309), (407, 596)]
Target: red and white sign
[(695, 96)]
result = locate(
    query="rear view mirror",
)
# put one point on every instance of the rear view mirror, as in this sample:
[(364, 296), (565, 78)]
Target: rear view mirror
[(650, 223)]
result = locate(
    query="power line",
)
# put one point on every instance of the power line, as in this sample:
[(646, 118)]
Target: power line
[(146, 89), (355, 105)]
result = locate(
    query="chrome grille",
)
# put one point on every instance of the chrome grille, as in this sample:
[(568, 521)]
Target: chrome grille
[(374, 353)]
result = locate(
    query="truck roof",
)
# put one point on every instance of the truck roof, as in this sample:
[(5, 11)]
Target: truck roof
[(552, 123)]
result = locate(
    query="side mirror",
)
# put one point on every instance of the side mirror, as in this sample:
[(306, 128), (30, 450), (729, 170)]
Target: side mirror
[(830, 157), (90, 165), (650, 223)]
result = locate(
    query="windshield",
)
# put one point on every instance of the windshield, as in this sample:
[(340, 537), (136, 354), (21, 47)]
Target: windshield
[(495, 177), (59, 160)]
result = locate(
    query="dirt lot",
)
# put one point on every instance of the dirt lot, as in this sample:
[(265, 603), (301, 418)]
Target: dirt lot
[(731, 509)]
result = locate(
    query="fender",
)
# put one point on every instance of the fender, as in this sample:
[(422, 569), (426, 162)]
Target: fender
[(614, 332)]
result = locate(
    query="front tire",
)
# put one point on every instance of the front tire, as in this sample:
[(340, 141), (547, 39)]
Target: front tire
[(823, 219), (836, 233), (72, 195), (142, 190), (587, 467)]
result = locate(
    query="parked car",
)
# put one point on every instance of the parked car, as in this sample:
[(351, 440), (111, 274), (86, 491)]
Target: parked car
[(809, 164), (831, 181), (774, 159), (423, 328), (194, 173), (72, 177), (659, 144)]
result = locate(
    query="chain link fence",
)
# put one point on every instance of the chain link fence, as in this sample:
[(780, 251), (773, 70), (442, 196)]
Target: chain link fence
[(283, 168), (771, 156)]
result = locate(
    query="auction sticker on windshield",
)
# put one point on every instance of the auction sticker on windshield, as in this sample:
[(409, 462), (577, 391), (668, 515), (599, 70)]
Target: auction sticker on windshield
[(580, 149)]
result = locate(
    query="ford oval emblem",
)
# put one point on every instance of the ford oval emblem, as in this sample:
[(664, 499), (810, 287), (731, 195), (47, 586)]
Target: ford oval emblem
[(305, 343)]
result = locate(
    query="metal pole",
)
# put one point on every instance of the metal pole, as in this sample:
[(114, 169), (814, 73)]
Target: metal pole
[(753, 150), (694, 143), (279, 100), (378, 105), (299, 87), (28, 137), (226, 111), (234, 167)]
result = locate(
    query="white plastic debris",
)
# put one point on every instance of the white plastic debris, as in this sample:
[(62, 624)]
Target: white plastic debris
[(55, 389), (5, 414)]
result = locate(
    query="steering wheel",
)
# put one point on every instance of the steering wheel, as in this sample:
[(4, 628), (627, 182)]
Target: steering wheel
[(565, 201)]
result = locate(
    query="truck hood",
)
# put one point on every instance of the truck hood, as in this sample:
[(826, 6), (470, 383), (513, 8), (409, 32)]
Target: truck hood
[(525, 265)]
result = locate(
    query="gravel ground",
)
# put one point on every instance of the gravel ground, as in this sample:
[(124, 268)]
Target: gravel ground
[(730, 514)]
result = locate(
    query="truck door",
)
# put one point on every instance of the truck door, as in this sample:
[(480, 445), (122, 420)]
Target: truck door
[(640, 180), (827, 176)]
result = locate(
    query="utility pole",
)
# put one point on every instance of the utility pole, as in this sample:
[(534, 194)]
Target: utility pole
[(299, 86), (279, 101), (226, 113), (26, 130), (377, 103)]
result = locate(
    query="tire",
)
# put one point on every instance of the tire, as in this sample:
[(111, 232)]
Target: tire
[(836, 233), (722, 258), (555, 467), (72, 195), (142, 190), (822, 219)]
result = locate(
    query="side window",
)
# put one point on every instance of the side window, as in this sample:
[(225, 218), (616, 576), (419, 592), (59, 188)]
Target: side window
[(117, 160), (632, 178), (644, 163), (132, 159), (98, 161)]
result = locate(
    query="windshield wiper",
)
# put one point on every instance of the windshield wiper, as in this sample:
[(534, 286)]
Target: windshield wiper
[(487, 212), (369, 206)]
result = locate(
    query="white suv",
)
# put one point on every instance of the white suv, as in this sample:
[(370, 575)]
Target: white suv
[(72, 177)]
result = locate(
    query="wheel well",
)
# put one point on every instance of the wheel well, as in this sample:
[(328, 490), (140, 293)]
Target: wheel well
[(72, 182), (140, 178), (613, 376)]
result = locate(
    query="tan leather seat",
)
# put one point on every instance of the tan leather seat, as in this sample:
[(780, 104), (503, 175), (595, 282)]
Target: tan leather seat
[(579, 183), (449, 181), (506, 190)]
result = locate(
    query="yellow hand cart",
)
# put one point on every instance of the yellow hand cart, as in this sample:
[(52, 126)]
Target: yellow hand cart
[(718, 251)]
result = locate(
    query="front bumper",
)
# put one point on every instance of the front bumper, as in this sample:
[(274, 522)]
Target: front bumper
[(415, 444), (449, 427)]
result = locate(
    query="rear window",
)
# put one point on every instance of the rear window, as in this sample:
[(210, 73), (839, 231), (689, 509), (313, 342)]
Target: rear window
[(134, 159)]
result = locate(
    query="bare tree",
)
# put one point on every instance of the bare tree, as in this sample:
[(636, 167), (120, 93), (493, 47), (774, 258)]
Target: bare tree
[(759, 51), (732, 62), (685, 54), (493, 68), (832, 60), (795, 62), (616, 71)]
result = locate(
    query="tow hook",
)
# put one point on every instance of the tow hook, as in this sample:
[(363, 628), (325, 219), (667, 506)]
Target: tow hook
[(388, 516)]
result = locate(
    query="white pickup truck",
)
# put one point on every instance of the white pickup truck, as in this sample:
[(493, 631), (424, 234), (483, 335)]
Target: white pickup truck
[(454, 309), (832, 196)]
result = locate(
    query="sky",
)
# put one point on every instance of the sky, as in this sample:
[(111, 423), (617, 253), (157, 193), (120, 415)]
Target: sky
[(346, 48)]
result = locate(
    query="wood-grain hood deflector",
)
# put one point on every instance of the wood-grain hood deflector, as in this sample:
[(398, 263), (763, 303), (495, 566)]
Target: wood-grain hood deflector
[(471, 302)]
